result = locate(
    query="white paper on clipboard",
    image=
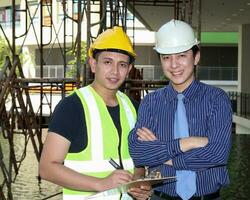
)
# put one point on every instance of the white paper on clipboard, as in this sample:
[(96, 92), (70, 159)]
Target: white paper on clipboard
[(145, 181), (136, 183)]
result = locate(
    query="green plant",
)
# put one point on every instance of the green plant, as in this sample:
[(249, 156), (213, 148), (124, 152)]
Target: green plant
[(4, 51), (72, 71)]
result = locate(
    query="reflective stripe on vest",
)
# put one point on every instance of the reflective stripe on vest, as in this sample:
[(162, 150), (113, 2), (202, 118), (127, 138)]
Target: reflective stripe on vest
[(103, 139), (101, 196)]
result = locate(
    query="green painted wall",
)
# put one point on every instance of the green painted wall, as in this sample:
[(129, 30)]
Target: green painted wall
[(219, 37)]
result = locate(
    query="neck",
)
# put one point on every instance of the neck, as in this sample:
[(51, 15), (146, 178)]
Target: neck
[(183, 86), (108, 96)]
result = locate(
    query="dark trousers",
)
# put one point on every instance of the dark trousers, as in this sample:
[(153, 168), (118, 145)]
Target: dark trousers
[(161, 196)]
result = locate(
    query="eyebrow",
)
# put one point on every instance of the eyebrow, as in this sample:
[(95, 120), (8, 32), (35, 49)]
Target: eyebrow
[(108, 58)]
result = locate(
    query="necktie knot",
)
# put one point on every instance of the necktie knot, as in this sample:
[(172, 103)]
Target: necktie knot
[(180, 97)]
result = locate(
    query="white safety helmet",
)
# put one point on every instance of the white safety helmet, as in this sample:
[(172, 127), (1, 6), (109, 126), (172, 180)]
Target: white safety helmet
[(174, 37)]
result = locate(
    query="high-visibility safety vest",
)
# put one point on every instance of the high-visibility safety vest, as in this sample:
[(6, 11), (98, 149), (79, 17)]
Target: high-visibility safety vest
[(103, 141)]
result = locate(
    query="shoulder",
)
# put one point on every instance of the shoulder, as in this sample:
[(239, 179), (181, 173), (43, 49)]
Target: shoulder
[(134, 102), (67, 109), (156, 95), (212, 90), (67, 118), (213, 94), (69, 102)]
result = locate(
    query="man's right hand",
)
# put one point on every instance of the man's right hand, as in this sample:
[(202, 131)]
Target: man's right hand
[(115, 179)]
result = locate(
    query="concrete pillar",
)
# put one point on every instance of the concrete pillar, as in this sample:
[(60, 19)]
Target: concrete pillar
[(242, 125), (244, 58)]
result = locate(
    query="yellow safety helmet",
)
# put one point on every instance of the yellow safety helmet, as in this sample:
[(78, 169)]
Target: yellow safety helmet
[(113, 39)]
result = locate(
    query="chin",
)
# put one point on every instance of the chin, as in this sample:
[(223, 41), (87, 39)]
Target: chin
[(113, 87), (177, 81)]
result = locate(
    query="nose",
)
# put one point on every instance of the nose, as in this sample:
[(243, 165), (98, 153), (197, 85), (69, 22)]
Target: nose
[(174, 61), (115, 69)]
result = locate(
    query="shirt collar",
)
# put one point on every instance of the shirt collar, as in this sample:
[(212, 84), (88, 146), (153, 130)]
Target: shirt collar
[(189, 92)]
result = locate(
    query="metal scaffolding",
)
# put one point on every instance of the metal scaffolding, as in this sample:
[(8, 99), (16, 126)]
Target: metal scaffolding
[(15, 88)]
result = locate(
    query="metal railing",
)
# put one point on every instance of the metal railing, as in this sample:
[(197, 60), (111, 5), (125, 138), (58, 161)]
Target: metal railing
[(240, 103), (217, 73)]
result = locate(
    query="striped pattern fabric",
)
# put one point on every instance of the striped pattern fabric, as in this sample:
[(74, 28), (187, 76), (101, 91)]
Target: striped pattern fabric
[(208, 113)]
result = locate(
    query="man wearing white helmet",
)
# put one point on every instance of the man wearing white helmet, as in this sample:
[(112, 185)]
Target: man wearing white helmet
[(183, 129)]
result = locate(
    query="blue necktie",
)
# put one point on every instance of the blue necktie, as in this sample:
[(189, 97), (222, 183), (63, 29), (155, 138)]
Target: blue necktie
[(186, 180)]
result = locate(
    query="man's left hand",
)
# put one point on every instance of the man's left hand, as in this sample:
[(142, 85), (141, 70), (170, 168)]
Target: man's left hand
[(141, 193)]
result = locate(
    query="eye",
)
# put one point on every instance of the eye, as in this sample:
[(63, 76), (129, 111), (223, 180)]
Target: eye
[(165, 57), (107, 62), (182, 55), (124, 65)]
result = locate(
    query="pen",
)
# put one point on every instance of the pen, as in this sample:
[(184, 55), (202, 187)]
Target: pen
[(114, 164)]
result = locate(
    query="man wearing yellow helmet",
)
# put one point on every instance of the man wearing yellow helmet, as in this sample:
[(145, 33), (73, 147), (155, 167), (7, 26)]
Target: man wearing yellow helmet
[(91, 126)]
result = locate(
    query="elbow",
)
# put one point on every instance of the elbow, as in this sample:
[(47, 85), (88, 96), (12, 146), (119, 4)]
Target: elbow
[(223, 159), (223, 155), (220, 159), (131, 144), (219, 153), (43, 171), (134, 156)]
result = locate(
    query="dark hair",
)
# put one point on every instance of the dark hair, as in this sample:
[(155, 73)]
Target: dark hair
[(195, 49), (96, 53)]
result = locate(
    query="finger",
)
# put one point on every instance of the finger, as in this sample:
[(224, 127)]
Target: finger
[(149, 133), (122, 175), (138, 194), (147, 130), (121, 171), (146, 135), (146, 187), (142, 135)]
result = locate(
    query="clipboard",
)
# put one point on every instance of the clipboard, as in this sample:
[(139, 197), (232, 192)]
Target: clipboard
[(144, 181), (132, 184)]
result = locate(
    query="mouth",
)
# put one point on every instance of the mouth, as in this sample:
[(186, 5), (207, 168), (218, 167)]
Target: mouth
[(178, 73), (113, 80)]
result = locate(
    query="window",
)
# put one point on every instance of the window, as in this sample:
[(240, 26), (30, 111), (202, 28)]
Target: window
[(47, 12), (34, 11), (50, 71), (6, 16)]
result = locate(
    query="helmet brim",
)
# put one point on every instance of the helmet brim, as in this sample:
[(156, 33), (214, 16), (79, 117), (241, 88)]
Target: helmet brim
[(175, 50)]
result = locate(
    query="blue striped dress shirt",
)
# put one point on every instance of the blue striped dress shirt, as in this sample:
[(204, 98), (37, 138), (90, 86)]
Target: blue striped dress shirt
[(209, 114)]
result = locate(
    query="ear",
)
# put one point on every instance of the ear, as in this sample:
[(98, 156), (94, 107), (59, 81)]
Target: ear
[(129, 69), (92, 64), (197, 58)]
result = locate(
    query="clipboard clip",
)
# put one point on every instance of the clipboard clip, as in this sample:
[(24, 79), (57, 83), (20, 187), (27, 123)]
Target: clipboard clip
[(155, 173)]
